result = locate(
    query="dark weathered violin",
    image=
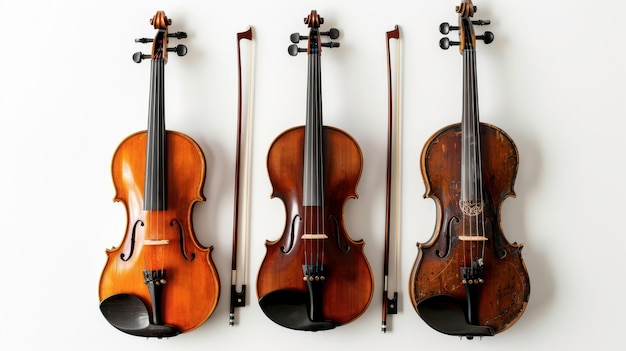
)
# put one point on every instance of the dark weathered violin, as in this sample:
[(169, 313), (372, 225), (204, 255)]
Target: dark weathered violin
[(315, 277), (468, 280), (160, 281)]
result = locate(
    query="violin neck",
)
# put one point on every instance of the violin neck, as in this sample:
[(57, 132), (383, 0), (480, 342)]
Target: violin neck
[(313, 187), (471, 173), (154, 184)]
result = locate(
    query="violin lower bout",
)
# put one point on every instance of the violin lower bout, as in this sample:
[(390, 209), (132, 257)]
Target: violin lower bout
[(164, 239), (347, 287), (499, 300)]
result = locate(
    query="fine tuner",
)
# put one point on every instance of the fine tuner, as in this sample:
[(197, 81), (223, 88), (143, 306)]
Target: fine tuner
[(180, 50), (445, 28), (295, 38)]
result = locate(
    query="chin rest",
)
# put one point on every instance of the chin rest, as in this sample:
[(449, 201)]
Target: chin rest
[(445, 314), (290, 309), (129, 314)]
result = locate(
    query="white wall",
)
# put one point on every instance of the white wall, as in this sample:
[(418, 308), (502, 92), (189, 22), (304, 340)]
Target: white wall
[(69, 93)]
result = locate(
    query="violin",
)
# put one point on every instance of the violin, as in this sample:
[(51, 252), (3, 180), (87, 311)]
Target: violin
[(314, 277), (468, 280), (159, 282)]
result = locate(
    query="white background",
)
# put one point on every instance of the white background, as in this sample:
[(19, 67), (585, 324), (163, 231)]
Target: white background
[(553, 79)]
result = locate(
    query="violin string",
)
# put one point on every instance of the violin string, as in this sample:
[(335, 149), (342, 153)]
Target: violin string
[(162, 160), (314, 165), (479, 173), (154, 210), (474, 150), (464, 153), (149, 157), (473, 155), (307, 177), (320, 160), (317, 157), (156, 171), (314, 169), (154, 220)]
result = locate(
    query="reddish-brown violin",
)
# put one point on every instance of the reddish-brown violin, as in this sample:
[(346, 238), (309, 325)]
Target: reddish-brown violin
[(160, 281), (315, 277), (468, 280)]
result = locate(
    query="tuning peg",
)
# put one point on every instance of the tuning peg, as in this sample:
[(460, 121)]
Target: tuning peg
[(330, 44), (296, 37), (144, 40), (181, 50), (481, 22), (333, 33), (138, 56), (487, 37), (177, 35), (445, 28), (294, 50), (445, 43)]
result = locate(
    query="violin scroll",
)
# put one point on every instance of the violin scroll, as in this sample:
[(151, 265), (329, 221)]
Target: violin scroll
[(314, 21), (160, 20), (159, 47), (465, 28)]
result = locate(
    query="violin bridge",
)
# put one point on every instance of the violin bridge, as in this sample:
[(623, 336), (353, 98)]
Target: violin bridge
[(156, 242), (314, 236), (472, 238)]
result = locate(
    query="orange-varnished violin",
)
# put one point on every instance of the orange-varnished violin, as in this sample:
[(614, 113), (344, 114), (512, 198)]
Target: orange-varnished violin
[(468, 280), (159, 282)]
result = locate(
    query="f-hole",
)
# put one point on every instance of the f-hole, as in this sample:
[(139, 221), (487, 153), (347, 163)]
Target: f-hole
[(182, 241), (447, 243), (493, 232), (132, 242), (346, 248), (496, 238), (292, 234)]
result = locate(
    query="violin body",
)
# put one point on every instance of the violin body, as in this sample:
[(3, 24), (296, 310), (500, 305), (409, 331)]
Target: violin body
[(192, 290), (348, 285), (437, 270)]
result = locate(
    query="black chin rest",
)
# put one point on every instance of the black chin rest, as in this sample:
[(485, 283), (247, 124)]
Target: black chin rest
[(128, 313), (289, 308), (446, 314)]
